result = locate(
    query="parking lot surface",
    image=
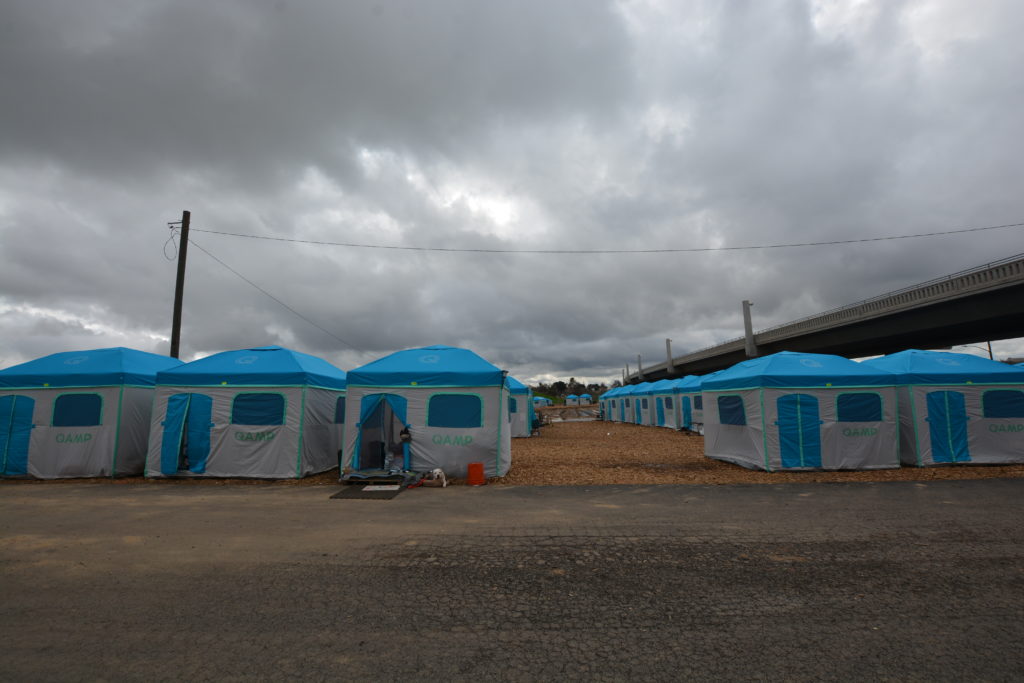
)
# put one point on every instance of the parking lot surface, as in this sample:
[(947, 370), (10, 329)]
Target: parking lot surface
[(897, 580)]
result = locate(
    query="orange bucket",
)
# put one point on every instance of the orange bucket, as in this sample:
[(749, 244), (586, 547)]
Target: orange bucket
[(475, 474)]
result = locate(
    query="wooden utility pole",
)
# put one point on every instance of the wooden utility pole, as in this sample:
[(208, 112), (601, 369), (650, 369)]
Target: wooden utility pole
[(179, 287)]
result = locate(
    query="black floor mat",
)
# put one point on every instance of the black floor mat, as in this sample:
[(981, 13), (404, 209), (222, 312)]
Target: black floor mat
[(359, 491)]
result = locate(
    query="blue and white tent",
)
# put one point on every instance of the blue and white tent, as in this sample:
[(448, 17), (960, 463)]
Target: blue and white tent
[(432, 407), (608, 403), (265, 413), (520, 406), (688, 402), (585, 399), (572, 400), (662, 393), (627, 404), (78, 413), (802, 411), (956, 408), (605, 403), (641, 400)]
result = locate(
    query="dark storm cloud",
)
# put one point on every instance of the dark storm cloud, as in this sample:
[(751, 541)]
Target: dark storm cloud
[(527, 125)]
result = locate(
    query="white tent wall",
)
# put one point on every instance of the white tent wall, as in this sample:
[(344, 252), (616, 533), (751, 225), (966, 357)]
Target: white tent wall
[(698, 411), (611, 409), (908, 431), (681, 401), (669, 410), (646, 410), (990, 441), (69, 452), (321, 437), (450, 449), (257, 451), (739, 444), (133, 435), (843, 445), (520, 419)]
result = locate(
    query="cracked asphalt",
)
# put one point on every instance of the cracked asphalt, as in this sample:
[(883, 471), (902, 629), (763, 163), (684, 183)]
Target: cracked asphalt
[(886, 581)]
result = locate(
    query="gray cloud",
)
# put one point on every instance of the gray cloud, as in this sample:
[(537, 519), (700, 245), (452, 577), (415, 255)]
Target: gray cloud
[(528, 125)]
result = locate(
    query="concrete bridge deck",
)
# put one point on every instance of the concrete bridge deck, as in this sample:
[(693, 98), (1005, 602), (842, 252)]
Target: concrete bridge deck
[(980, 304)]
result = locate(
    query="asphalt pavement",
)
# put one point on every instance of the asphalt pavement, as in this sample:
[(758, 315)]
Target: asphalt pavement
[(897, 581)]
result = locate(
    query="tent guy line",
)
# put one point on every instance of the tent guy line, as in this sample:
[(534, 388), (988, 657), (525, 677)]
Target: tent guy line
[(611, 251)]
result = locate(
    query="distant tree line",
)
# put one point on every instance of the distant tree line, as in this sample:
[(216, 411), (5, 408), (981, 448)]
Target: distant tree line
[(562, 389)]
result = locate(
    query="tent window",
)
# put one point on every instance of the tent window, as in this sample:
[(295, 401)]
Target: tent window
[(512, 405), (698, 403), (859, 408), (455, 410), (77, 410), (627, 402), (339, 411), (643, 403), (668, 402), (1003, 403), (730, 410), (613, 403), (258, 409)]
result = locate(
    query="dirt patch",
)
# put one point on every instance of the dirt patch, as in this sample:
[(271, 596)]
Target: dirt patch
[(595, 453)]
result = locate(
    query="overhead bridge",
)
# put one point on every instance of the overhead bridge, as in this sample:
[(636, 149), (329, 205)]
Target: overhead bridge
[(977, 305)]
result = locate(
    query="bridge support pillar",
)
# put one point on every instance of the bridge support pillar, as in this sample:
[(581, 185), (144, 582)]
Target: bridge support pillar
[(748, 330)]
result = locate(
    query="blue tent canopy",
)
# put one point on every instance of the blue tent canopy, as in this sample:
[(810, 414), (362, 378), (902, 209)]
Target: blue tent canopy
[(790, 369), (91, 368), (663, 386), (268, 365), (586, 396), (571, 396), (687, 385), (436, 366), (914, 366), (515, 386)]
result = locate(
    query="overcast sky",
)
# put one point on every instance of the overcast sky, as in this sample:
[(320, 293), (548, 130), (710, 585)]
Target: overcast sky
[(534, 124)]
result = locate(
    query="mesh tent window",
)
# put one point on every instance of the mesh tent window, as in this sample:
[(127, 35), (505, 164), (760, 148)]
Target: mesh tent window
[(698, 403), (858, 408), (455, 411), (643, 403), (730, 410), (512, 405), (339, 411), (1003, 403), (78, 410), (668, 402), (258, 409)]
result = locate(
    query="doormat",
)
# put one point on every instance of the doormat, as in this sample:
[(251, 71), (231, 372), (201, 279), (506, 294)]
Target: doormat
[(370, 491)]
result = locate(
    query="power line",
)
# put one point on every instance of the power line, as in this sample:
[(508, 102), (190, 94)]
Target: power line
[(268, 294), (611, 251)]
